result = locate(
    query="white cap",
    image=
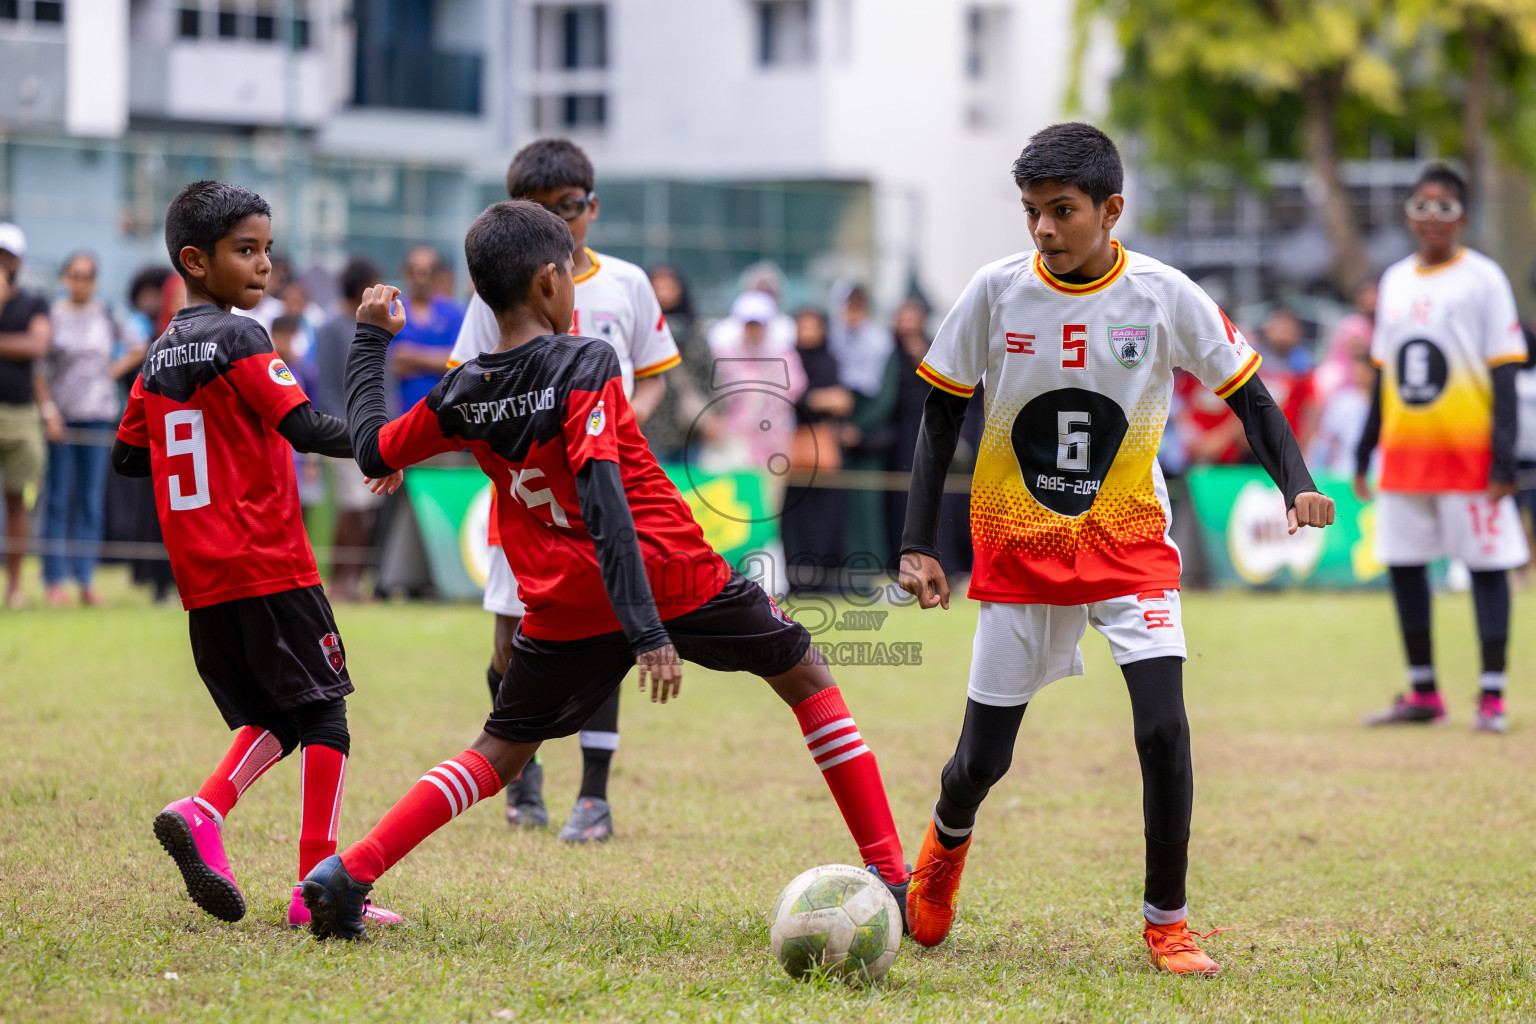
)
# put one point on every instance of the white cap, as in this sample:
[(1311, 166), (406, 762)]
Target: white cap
[(13, 240), (754, 308)]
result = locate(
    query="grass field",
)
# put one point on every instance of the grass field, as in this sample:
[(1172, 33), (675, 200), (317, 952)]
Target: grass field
[(1386, 876)]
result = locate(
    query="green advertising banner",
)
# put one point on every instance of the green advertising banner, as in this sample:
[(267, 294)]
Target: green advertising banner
[(1241, 516), (452, 509)]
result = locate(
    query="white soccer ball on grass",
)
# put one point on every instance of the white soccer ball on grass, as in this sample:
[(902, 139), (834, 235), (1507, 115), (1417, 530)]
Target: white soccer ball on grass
[(839, 918)]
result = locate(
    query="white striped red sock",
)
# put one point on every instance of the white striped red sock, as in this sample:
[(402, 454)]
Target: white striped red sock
[(441, 795)]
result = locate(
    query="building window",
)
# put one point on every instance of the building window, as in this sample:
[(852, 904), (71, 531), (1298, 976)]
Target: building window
[(301, 33), (229, 23), (266, 27), (10, 10), (188, 22), (571, 37), (48, 11), (570, 112), (986, 43), (785, 36)]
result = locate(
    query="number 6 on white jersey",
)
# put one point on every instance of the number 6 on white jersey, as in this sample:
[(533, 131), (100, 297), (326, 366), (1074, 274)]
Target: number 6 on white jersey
[(195, 445)]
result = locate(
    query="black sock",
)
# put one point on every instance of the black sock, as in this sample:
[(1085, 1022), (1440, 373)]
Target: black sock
[(982, 756), (1410, 593), (1490, 600), (493, 680), (594, 773), (1156, 688)]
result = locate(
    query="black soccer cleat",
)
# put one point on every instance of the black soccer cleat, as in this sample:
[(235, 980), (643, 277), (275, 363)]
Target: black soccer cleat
[(525, 798), (899, 892), (336, 901)]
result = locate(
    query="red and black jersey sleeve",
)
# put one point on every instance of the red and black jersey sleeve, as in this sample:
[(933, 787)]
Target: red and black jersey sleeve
[(134, 429), (593, 405), (415, 437), (258, 374)]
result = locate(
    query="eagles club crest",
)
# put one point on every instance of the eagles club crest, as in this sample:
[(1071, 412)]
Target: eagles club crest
[(330, 646), (1129, 344)]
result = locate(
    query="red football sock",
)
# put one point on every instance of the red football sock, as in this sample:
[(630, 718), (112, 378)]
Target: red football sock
[(253, 752), (849, 767), (321, 778), (443, 794)]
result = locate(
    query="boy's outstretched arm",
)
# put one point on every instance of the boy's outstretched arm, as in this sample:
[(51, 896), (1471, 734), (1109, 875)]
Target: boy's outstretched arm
[(921, 575), (605, 512), (1273, 444), (367, 408)]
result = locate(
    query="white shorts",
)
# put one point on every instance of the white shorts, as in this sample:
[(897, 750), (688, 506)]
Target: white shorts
[(1022, 647), (1415, 529), (352, 495), (501, 587)]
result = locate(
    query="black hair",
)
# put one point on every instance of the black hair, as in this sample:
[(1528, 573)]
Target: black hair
[(858, 294), (549, 164), (288, 324), (204, 212), (1440, 174), (508, 244), (80, 254), (147, 277), (358, 276), (684, 305), (1072, 153)]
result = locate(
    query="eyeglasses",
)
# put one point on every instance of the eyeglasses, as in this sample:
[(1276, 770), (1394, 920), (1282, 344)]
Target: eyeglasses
[(1444, 210), (570, 209)]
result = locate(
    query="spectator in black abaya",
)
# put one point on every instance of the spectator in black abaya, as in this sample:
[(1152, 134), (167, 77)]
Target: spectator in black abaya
[(812, 524)]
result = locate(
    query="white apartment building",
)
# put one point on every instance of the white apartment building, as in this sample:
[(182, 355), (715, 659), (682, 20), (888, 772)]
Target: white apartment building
[(862, 138)]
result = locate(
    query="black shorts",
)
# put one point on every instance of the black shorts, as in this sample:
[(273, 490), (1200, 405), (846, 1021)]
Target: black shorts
[(553, 686), (262, 655)]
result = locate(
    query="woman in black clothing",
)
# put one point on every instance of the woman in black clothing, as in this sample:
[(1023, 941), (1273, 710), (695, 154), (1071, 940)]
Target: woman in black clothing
[(912, 341), (812, 522)]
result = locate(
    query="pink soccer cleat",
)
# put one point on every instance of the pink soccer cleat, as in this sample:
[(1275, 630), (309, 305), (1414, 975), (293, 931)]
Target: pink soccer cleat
[(298, 913), (193, 835)]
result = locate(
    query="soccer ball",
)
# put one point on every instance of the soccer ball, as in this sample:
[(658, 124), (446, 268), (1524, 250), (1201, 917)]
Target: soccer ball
[(838, 917)]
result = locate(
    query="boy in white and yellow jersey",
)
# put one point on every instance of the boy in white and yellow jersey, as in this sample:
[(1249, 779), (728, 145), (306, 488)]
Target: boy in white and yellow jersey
[(1077, 342)]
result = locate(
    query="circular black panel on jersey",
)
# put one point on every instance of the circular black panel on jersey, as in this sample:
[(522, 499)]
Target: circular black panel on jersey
[(1421, 371), (1065, 442)]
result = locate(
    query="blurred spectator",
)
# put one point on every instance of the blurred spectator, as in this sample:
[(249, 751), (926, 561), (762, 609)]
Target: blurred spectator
[(443, 283), (307, 316), (156, 572), (1342, 420), (759, 388), (1525, 445), (1351, 335), (419, 354), (356, 506), (864, 351), (912, 343), (677, 414), (1209, 430), (766, 278), (77, 389), (1286, 371), (24, 337), (287, 332), (130, 500), (810, 523)]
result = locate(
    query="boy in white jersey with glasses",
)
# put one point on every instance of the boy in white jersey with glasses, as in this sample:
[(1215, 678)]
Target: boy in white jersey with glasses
[(614, 302), (1077, 342)]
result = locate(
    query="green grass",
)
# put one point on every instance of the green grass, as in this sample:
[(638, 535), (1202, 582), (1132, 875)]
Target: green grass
[(1383, 876)]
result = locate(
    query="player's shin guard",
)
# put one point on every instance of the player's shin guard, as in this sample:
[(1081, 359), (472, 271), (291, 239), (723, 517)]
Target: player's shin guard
[(322, 776), (852, 774), (444, 793), (599, 738), (254, 751)]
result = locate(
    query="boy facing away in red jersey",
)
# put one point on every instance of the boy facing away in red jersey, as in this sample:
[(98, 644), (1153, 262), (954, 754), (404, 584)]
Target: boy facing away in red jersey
[(214, 418), (612, 567)]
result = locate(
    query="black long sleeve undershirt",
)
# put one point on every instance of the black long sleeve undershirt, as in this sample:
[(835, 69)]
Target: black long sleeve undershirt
[(1506, 425), (605, 513), (1269, 435), (367, 407), (305, 429)]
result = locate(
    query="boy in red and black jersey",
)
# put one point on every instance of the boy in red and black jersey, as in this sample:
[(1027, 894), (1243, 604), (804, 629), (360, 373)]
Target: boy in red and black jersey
[(612, 567), (214, 418)]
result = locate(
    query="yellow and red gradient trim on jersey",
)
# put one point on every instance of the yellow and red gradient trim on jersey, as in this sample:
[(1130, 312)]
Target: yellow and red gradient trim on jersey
[(1446, 445), (1505, 360), (943, 383), (1088, 287), (655, 368), (591, 271), (1027, 554), (1238, 379)]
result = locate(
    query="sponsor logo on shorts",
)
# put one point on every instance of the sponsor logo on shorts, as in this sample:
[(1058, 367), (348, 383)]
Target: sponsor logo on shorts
[(1159, 615), (597, 421), (280, 374), (330, 645)]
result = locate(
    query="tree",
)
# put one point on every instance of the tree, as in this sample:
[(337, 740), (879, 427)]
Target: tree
[(1294, 64)]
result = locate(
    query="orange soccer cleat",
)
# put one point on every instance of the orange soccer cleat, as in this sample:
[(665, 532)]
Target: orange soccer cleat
[(935, 886), (1172, 948)]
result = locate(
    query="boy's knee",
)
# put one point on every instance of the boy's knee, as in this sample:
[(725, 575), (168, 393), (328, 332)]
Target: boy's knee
[(979, 769), (1164, 735), (324, 723)]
